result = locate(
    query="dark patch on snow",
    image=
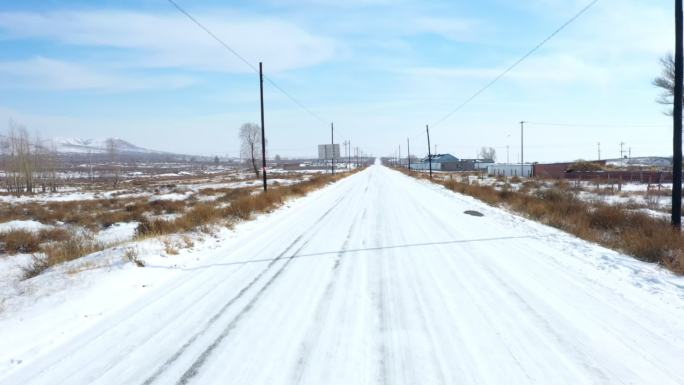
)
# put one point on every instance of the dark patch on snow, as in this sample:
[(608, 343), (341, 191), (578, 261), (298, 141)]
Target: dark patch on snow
[(474, 213)]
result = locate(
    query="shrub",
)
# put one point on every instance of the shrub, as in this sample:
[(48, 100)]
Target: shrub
[(131, 255), (59, 252), (53, 234), (73, 248), (147, 227), (20, 241)]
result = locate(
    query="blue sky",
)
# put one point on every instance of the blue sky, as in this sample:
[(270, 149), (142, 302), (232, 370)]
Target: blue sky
[(379, 69)]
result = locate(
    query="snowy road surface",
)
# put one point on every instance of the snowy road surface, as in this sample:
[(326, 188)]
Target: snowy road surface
[(382, 279)]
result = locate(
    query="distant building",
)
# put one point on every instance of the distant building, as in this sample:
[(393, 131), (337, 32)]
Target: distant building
[(448, 162), (326, 151), (477, 164), (510, 169), (439, 162)]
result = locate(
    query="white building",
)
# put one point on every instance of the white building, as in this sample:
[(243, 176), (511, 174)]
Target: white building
[(507, 169), (327, 151)]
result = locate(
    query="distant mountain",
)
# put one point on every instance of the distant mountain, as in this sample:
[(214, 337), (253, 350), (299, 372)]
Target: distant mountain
[(84, 146)]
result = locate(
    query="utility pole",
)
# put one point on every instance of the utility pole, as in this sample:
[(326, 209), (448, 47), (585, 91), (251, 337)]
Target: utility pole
[(599, 150), (400, 155), (408, 149), (522, 153), (263, 133), (622, 154), (508, 159), (332, 148), (677, 119), (349, 154), (427, 129)]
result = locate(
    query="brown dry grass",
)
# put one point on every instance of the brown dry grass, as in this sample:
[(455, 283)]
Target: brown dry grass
[(20, 241), (59, 252), (617, 227), (25, 241), (243, 204), (57, 245)]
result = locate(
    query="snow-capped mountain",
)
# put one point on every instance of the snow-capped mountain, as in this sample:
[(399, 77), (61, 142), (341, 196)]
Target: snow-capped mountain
[(98, 146)]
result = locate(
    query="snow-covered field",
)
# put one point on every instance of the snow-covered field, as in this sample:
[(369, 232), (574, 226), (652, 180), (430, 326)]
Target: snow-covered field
[(376, 279)]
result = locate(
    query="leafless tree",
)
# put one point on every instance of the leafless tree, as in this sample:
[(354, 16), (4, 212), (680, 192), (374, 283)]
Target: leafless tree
[(21, 159), (112, 148), (27, 163), (250, 145), (666, 82), (487, 153), (48, 163)]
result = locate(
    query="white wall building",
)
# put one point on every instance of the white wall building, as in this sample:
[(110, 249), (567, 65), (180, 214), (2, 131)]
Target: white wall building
[(507, 169)]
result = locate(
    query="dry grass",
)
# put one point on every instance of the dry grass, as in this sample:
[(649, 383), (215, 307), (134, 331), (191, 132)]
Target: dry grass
[(25, 241), (20, 241), (55, 245), (243, 204), (170, 247), (131, 255), (59, 252), (637, 234)]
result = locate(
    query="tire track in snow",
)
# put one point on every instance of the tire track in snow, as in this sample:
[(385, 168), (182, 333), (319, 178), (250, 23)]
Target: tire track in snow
[(152, 378), (193, 370), (380, 297), (217, 315), (323, 307)]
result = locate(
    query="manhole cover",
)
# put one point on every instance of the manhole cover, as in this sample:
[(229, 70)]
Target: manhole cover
[(474, 213)]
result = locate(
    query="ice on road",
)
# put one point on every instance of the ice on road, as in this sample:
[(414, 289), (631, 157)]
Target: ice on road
[(383, 279)]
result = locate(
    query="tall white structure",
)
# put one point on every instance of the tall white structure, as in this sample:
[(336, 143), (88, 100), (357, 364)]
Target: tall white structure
[(325, 151)]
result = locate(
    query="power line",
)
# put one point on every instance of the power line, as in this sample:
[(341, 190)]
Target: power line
[(250, 65), (512, 66)]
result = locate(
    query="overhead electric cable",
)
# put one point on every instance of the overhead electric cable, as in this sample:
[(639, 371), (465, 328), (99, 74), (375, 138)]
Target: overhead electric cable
[(242, 58), (515, 64)]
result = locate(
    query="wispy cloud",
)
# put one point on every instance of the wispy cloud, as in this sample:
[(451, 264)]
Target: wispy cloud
[(50, 74), (556, 68), (171, 41)]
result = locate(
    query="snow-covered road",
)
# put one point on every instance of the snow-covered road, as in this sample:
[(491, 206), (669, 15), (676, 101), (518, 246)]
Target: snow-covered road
[(382, 279)]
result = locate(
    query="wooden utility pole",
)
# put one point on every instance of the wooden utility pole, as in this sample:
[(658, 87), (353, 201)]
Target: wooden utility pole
[(677, 119), (263, 132), (408, 156), (332, 148), (427, 129), (522, 157)]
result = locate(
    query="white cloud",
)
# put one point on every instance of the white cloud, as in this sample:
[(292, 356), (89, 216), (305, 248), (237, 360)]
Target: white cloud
[(552, 68), (53, 74), (173, 41), (457, 29)]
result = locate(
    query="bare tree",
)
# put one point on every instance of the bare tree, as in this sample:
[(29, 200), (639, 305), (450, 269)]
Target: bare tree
[(666, 82), (487, 153), (250, 145), (50, 164), (112, 148), (21, 158)]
